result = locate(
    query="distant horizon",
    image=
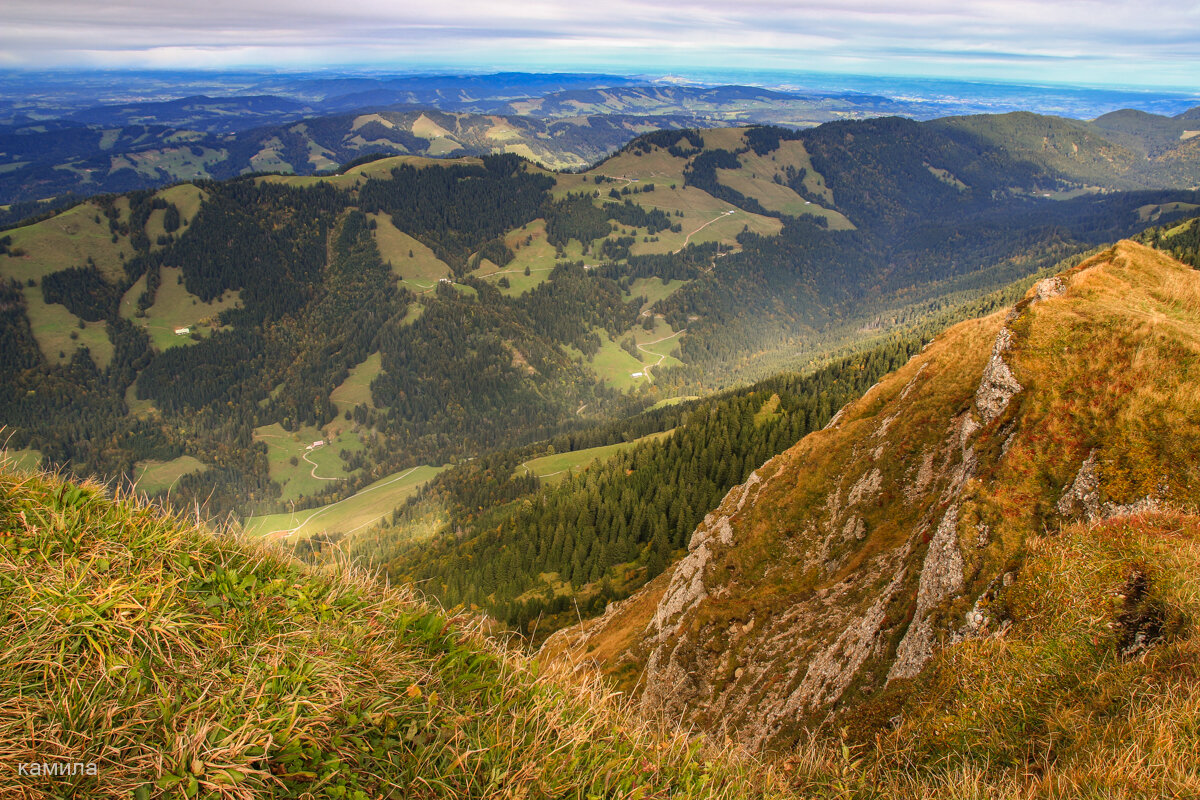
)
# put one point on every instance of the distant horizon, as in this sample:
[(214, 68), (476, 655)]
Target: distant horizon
[(728, 77)]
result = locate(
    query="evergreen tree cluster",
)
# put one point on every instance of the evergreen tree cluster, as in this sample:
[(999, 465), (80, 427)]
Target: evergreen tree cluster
[(456, 209), (265, 240), (576, 217), (18, 349), (635, 216), (668, 140), (83, 291)]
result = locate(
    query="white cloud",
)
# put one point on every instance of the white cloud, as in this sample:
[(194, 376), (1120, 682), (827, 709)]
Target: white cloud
[(1090, 41)]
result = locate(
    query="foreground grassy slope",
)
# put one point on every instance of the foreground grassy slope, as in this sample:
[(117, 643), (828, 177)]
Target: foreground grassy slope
[(183, 663)]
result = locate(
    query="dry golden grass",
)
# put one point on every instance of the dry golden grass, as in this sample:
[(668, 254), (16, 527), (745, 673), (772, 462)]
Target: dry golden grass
[(1054, 708)]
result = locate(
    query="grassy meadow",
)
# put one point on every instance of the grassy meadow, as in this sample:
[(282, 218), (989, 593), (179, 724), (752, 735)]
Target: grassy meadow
[(365, 507), (654, 289), (175, 307), (414, 263), (314, 469), (25, 459), (155, 477), (531, 251), (356, 389), (552, 468)]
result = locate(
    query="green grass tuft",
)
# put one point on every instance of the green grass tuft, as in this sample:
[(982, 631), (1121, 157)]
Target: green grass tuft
[(187, 664)]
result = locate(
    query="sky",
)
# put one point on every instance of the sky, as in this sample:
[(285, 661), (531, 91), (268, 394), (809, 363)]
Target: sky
[(1152, 43)]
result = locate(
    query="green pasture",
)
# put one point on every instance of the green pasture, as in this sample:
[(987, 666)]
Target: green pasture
[(365, 507), (416, 265), (654, 289), (67, 240), (26, 459), (531, 251), (175, 307), (314, 469), (553, 468), (357, 387), (154, 477)]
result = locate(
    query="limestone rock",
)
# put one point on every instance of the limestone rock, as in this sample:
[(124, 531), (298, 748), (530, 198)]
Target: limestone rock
[(941, 576), (998, 385)]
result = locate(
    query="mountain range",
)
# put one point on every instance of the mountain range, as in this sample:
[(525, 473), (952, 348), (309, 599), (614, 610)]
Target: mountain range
[(117, 148), (310, 354)]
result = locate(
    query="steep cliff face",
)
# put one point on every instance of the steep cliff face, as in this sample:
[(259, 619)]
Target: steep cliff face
[(841, 567)]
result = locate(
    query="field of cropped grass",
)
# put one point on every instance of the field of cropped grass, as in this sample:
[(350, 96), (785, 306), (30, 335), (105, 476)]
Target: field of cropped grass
[(68, 239), (674, 401), (615, 366), (187, 198), (314, 469), (82, 232), (657, 346), (553, 468), (705, 219), (356, 389), (175, 307), (25, 459), (654, 289), (380, 168), (154, 477), (365, 507), (416, 265), (531, 251), (60, 333)]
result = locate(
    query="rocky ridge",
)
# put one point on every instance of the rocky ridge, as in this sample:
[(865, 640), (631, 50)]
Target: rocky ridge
[(830, 578)]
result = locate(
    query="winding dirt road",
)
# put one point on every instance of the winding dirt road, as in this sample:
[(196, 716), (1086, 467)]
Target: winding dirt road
[(661, 356), (314, 468)]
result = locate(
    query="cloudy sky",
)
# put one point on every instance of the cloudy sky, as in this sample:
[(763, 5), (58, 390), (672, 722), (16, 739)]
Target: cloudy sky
[(1150, 42)]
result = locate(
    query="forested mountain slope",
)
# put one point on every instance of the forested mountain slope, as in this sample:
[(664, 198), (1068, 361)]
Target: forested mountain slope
[(279, 343), (909, 554), (1153, 134), (1122, 150)]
